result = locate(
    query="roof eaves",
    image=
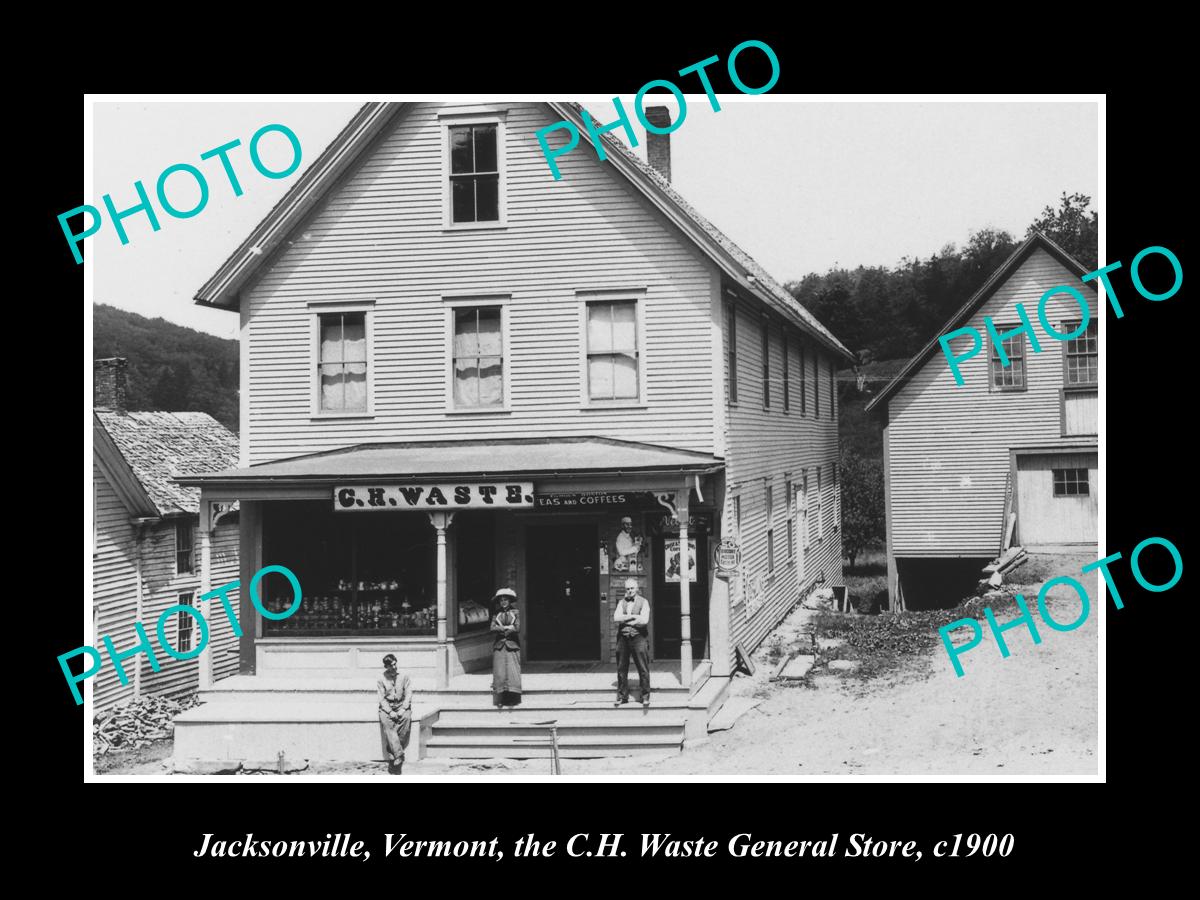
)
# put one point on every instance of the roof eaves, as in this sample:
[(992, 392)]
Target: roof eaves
[(739, 266), (302, 195)]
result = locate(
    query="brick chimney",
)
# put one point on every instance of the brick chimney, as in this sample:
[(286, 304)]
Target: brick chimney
[(658, 146), (108, 386)]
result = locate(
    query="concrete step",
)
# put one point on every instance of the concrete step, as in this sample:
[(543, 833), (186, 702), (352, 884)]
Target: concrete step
[(569, 747)]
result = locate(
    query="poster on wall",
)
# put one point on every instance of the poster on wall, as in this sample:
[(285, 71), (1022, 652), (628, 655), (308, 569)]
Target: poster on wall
[(672, 564), (627, 548)]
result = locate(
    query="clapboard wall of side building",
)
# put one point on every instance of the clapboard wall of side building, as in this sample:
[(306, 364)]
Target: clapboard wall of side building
[(114, 585), (948, 445), (776, 449)]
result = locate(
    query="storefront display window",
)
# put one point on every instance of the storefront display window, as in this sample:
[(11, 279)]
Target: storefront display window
[(369, 574)]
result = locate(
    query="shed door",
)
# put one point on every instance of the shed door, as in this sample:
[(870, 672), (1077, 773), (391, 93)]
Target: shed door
[(1056, 499)]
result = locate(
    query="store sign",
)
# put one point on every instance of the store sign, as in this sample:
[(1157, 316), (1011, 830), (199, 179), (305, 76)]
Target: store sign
[(595, 499), (728, 555), (428, 497), (588, 500)]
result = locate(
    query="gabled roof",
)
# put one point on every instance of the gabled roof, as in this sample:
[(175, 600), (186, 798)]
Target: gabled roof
[(221, 289), (509, 458), (1035, 241), (142, 452)]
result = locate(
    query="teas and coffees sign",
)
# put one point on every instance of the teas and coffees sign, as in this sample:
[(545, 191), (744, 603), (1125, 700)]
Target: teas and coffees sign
[(428, 497)]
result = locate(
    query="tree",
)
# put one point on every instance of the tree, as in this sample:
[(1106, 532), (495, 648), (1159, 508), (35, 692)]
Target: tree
[(1072, 226), (863, 522)]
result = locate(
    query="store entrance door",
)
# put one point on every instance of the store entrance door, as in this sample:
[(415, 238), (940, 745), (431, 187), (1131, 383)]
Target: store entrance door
[(563, 607)]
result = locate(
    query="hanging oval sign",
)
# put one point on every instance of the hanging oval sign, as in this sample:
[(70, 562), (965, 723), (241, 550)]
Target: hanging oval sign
[(728, 555)]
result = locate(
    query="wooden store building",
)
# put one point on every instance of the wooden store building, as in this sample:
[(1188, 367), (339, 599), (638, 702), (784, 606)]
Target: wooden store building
[(460, 374)]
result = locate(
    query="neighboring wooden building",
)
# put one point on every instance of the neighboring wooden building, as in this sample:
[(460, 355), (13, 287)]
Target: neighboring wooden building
[(428, 307), (148, 546), (959, 459)]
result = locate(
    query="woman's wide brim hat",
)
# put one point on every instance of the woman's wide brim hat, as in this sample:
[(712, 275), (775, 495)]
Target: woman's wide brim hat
[(505, 592)]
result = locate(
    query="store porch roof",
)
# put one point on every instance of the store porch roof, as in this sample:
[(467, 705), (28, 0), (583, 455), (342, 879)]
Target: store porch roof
[(423, 460)]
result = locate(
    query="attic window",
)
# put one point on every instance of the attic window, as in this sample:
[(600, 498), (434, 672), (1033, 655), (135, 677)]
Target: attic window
[(475, 172)]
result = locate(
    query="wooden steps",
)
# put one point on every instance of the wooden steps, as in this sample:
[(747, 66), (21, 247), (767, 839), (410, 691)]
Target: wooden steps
[(256, 717)]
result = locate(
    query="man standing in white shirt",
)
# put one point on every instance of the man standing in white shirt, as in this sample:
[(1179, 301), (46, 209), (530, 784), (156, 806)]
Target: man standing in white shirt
[(632, 616)]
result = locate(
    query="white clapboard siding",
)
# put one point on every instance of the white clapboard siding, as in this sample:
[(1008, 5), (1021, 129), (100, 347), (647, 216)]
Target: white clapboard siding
[(379, 236), (768, 443), (224, 570), (949, 445), (114, 587)]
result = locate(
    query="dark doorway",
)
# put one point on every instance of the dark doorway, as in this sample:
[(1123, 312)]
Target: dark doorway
[(665, 609), (562, 580)]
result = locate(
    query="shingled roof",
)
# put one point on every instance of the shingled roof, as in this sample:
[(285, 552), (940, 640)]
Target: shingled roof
[(157, 446)]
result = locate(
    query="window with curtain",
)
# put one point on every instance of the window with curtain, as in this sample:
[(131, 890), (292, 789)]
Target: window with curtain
[(612, 350), (474, 174), (342, 368), (478, 361)]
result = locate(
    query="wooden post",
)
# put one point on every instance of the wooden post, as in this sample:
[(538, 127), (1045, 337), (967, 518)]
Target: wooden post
[(206, 524), (685, 598), (441, 521)]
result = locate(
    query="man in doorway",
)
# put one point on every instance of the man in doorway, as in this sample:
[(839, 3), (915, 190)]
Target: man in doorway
[(632, 616)]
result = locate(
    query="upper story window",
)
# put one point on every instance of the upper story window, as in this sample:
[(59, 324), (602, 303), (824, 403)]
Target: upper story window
[(1081, 356), (803, 383), (787, 388), (1012, 376), (766, 365), (477, 357), (816, 384), (342, 363), (613, 351), (474, 175), (731, 339), (833, 389), (184, 547)]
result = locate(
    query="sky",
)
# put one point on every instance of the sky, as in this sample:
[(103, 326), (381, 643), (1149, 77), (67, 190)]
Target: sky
[(800, 185)]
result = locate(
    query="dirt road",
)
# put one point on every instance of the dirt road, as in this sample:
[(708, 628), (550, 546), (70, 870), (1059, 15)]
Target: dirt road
[(1034, 713)]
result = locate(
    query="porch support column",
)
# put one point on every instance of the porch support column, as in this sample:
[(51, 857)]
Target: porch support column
[(441, 522), (685, 599), (206, 525)]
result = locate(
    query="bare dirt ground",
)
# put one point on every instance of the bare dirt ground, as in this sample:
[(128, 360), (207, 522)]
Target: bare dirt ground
[(1034, 713)]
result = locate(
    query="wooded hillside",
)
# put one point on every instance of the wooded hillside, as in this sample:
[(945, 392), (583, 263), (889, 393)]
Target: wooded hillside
[(171, 368)]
